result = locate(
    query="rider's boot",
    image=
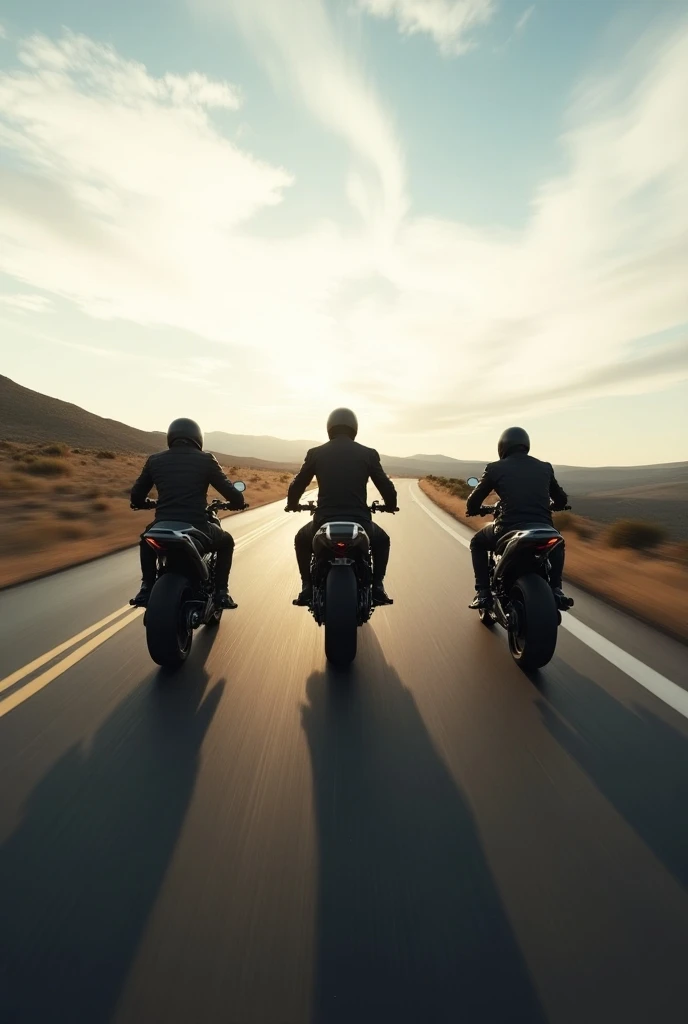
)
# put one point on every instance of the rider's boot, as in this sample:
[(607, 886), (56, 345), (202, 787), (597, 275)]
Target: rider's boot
[(141, 599), (305, 598), (223, 599), (482, 599), (380, 595), (563, 602)]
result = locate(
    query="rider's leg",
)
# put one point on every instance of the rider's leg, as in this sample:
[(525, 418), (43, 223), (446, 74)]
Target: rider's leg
[(379, 546), (149, 569), (482, 542), (303, 545), (223, 543)]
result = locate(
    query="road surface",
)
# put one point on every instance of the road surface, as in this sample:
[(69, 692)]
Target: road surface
[(434, 837)]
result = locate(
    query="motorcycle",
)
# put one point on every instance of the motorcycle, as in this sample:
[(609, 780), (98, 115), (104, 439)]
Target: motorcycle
[(183, 596), (522, 601), (342, 580)]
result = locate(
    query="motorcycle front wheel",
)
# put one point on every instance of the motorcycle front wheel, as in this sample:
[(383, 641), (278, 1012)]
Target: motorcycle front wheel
[(168, 633)]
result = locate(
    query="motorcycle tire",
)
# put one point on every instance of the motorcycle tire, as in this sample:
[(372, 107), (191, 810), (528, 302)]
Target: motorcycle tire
[(168, 633), (534, 622), (341, 615)]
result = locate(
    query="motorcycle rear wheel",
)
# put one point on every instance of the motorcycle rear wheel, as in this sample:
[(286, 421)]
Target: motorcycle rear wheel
[(168, 633), (341, 615), (534, 622)]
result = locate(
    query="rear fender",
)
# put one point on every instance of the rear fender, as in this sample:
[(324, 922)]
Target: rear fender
[(179, 551)]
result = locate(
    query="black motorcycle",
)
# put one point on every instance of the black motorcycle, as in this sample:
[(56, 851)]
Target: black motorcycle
[(521, 596), (342, 580), (183, 596)]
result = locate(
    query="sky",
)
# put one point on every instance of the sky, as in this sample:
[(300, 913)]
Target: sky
[(451, 215)]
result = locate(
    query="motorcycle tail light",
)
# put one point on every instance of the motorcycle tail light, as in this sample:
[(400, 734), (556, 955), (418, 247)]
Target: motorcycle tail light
[(154, 544), (341, 544), (548, 544)]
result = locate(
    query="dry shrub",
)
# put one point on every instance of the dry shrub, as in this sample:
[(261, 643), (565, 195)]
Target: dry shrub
[(46, 467), (635, 534), (563, 520), (105, 455), (27, 537), (70, 513), (14, 482), (284, 478), (101, 506), (57, 449)]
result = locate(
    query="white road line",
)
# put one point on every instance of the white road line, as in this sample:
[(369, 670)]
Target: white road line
[(672, 694)]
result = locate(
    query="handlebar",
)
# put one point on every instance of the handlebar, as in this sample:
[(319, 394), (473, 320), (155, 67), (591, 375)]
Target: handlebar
[(490, 510), (215, 506), (312, 507)]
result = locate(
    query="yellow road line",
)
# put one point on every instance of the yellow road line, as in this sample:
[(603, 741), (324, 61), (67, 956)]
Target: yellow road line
[(11, 702), (72, 659), (20, 673)]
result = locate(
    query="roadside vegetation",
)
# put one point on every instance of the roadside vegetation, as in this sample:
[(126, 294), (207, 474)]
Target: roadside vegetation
[(61, 505), (632, 563)]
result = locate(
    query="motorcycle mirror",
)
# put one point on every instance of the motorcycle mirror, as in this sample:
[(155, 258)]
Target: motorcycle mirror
[(472, 481), (239, 485)]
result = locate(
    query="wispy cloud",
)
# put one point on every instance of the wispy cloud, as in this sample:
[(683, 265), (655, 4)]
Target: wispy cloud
[(131, 203), (26, 302), (298, 45), (450, 23), (524, 19)]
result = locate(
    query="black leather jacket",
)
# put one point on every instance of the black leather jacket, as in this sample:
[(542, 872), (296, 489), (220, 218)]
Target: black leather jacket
[(182, 476), (342, 468), (525, 486)]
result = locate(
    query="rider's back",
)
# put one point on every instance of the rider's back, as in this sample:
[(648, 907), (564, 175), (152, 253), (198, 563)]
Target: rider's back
[(342, 468), (524, 485), (181, 475)]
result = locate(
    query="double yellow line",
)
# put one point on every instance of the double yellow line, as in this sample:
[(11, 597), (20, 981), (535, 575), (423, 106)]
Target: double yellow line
[(13, 700), (114, 622)]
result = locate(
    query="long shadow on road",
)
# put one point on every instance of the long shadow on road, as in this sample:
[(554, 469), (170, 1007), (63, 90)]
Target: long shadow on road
[(636, 759), (410, 924), (82, 871)]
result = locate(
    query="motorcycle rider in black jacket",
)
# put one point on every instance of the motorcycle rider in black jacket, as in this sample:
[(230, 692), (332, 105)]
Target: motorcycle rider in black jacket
[(182, 475), (342, 468), (526, 487)]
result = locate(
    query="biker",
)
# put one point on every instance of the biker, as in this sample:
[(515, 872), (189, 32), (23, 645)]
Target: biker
[(525, 486), (182, 475), (342, 468)]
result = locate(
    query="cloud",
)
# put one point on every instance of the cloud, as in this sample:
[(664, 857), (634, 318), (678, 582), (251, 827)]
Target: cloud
[(298, 45), (449, 22), (121, 194), (26, 302), (524, 19)]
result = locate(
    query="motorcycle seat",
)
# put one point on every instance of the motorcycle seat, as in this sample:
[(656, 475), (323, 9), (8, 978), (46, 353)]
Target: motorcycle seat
[(201, 540), (541, 530)]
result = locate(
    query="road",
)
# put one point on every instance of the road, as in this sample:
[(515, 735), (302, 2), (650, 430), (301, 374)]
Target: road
[(432, 837)]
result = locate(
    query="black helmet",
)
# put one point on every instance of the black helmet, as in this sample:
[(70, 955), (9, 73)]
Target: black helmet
[(512, 439), (184, 430), (342, 421)]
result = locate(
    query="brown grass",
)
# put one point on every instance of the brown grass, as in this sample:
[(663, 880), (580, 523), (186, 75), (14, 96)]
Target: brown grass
[(49, 525), (653, 588)]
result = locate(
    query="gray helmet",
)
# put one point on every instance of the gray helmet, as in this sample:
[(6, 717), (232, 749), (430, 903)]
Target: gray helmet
[(342, 421), (184, 430), (511, 439)]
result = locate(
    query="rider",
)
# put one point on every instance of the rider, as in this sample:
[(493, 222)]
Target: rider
[(525, 486), (342, 468), (182, 475)]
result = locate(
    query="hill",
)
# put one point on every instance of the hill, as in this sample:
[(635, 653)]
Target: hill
[(29, 417)]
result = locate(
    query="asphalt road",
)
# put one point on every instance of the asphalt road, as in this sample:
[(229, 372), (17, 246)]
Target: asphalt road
[(432, 837)]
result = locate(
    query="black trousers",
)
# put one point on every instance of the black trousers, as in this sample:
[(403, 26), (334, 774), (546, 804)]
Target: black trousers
[(221, 541), (379, 547), (485, 540)]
